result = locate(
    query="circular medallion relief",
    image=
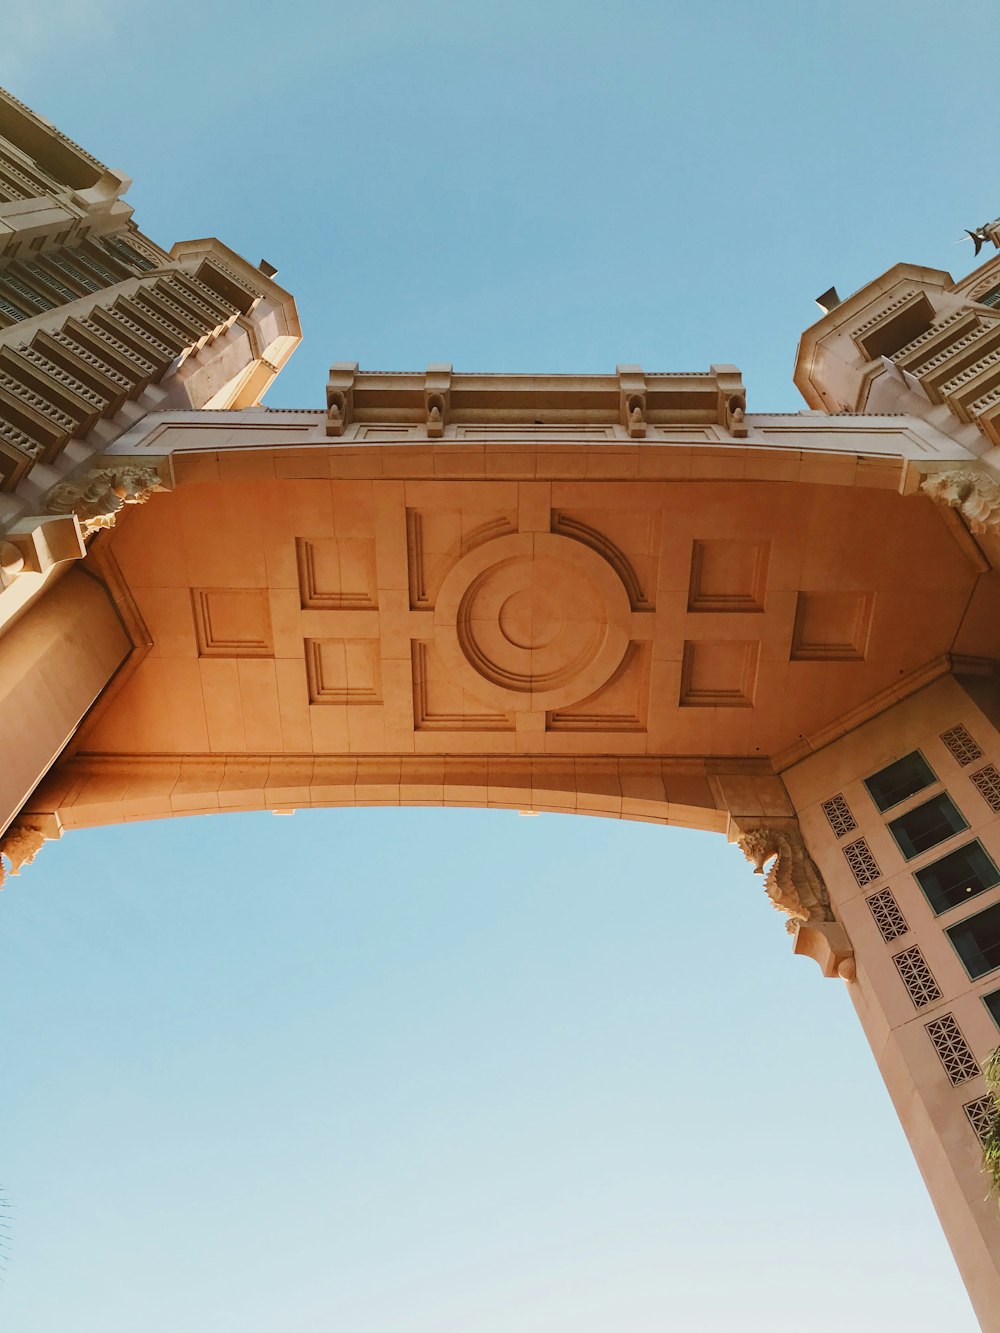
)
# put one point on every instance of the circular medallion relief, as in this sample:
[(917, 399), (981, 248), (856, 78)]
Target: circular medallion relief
[(532, 620)]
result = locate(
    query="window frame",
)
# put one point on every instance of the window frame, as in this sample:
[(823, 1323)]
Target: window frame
[(993, 908), (941, 911), (942, 795), (899, 800)]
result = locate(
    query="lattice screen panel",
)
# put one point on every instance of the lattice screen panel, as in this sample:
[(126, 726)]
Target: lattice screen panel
[(917, 977), (954, 1051), (981, 1114), (963, 748), (888, 917), (987, 782), (863, 865), (838, 814)]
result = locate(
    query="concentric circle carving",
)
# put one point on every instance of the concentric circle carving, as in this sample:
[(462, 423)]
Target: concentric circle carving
[(532, 621)]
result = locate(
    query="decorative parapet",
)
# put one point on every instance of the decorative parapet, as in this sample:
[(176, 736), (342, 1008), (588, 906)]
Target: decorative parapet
[(439, 398), (795, 886), (99, 496), (974, 494)]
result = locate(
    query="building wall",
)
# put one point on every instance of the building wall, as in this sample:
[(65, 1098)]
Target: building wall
[(909, 975)]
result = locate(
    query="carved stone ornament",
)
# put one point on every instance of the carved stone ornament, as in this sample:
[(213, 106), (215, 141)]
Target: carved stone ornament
[(20, 845), (975, 496), (796, 887), (793, 882), (99, 496)]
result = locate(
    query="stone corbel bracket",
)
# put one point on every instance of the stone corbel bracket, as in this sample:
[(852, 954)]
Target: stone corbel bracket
[(632, 400), (973, 492), (340, 396), (732, 401), (795, 886), (24, 840), (437, 399), (99, 495)]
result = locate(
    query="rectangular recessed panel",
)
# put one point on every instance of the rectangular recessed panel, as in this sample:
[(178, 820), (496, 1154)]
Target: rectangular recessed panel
[(628, 539), (343, 671), (832, 626), (728, 575), (232, 622), (719, 674), (620, 705), (441, 705), (337, 575)]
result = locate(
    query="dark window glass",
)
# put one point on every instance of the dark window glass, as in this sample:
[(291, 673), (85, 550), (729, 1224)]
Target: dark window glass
[(992, 1003), (891, 785), (959, 875), (977, 941), (992, 297), (926, 825)]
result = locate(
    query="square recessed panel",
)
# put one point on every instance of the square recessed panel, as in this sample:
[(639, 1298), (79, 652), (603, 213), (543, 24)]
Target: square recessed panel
[(832, 626), (232, 622), (343, 671), (728, 575), (337, 575), (721, 674), (441, 705)]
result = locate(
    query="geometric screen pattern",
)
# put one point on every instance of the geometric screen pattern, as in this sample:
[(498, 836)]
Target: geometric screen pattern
[(981, 1114), (917, 977), (839, 817), (959, 1063), (863, 865), (888, 917), (987, 783), (963, 748)]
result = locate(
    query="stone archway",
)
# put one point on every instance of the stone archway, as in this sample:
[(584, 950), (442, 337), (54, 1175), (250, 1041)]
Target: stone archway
[(719, 636)]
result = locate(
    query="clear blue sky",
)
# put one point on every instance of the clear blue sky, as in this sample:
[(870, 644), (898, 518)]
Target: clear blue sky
[(441, 1071)]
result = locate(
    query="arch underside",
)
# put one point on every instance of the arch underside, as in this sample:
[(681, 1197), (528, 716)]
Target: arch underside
[(90, 790)]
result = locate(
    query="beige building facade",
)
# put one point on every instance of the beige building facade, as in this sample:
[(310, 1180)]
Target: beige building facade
[(622, 595)]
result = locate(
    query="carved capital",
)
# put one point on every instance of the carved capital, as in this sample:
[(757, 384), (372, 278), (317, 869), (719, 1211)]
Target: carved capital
[(99, 496), (793, 882), (974, 494)]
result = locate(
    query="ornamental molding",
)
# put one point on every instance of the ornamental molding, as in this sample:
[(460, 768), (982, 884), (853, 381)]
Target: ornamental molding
[(974, 494), (99, 496)]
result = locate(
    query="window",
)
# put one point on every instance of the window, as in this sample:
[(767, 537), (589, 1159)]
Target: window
[(992, 1002), (959, 875), (977, 941), (992, 297), (893, 784), (926, 825)]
